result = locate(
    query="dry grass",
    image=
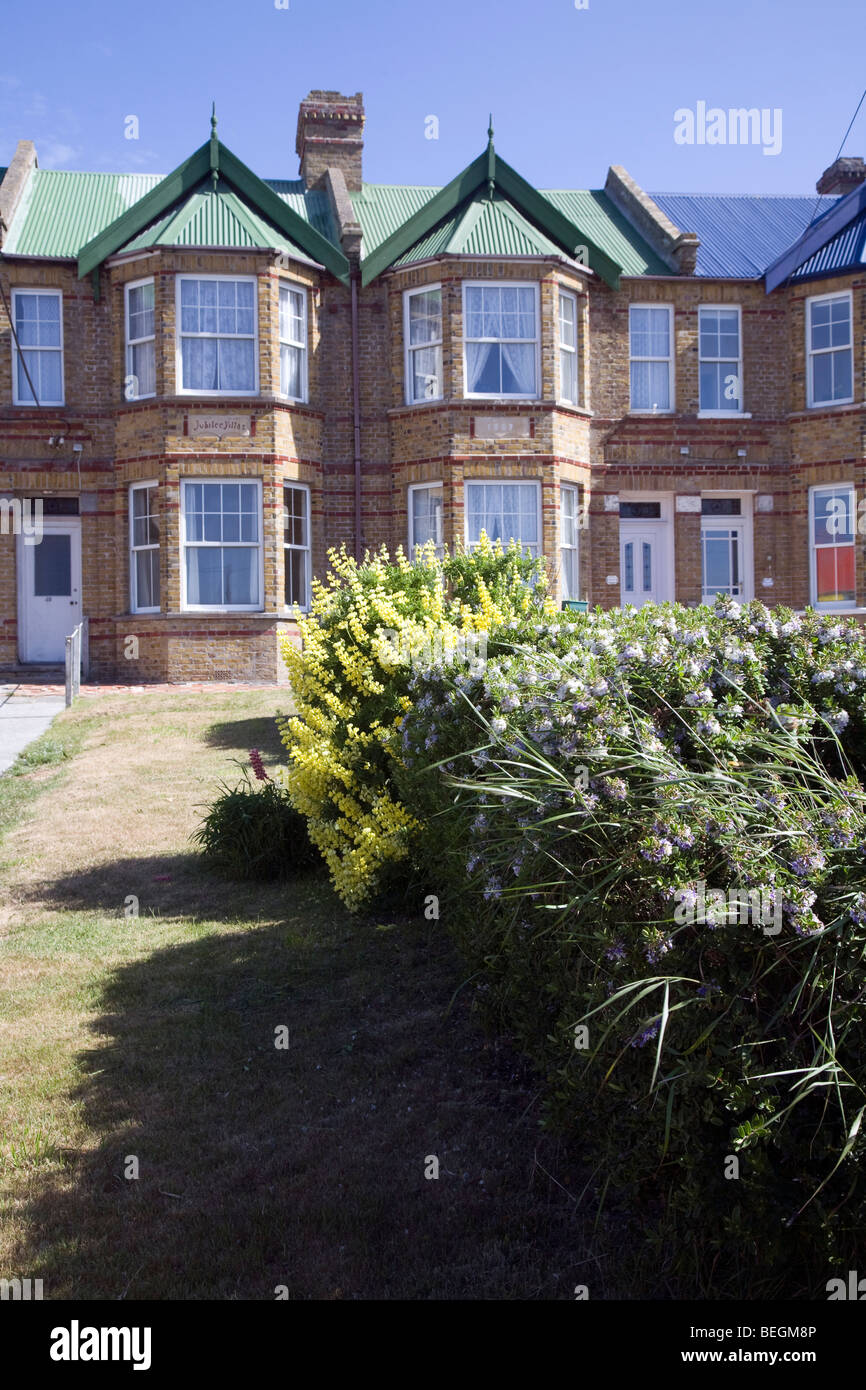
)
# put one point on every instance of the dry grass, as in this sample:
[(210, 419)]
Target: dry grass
[(153, 1037)]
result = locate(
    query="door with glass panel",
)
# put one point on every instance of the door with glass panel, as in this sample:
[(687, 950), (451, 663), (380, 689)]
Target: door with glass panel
[(50, 590), (723, 549), (640, 565)]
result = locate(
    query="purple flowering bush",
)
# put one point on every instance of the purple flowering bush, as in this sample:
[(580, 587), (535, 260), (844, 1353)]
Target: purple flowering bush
[(648, 834)]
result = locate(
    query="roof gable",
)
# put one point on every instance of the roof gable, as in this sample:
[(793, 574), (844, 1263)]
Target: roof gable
[(216, 161), (824, 230), (215, 216), (483, 226), (489, 173)]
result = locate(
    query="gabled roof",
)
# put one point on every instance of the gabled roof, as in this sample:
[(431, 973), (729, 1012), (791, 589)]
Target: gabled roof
[(215, 216), (487, 174), (823, 230), (741, 234), (215, 161)]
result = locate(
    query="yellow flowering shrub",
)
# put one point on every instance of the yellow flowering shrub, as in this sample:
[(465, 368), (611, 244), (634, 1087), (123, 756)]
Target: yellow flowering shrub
[(367, 623)]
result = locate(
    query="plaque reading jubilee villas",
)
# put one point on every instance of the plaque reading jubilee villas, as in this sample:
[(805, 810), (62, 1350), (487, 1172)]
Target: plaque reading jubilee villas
[(219, 426)]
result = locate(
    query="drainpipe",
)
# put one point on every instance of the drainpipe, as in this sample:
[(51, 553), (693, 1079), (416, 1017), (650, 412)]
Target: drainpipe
[(356, 411)]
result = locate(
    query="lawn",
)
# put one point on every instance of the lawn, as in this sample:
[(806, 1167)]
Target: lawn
[(150, 1037)]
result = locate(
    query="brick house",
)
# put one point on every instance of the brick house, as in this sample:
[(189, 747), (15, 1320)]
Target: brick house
[(208, 379)]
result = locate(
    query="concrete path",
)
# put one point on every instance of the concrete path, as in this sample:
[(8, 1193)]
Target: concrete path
[(23, 718)]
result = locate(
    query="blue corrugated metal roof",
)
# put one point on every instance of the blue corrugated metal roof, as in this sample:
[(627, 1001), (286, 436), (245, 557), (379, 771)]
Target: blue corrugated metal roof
[(842, 252), (741, 234)]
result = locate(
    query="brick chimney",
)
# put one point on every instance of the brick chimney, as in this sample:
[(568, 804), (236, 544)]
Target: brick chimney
[(846, 174), (330, 136)]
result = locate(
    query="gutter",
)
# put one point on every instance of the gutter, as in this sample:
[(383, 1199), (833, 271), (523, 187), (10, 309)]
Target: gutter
[(356, 410)]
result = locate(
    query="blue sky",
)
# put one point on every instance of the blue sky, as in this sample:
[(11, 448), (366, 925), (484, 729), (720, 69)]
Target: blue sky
[(572, 90)]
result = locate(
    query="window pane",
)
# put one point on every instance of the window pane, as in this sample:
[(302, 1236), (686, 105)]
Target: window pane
[(568, 368), (425, 317), (296, 577), (427, 516), (204, 575), (628, 556), (842, 374), (52, 567), (647, 567), (832, 516), (147, 578), (721, 506), (834, 574), (290, 371), (240, 575)]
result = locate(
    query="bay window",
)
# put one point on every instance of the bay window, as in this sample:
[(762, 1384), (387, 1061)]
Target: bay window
[(293, 343), (831, 546), (221, 535), (500, 332), (425, 517), (422, 330), (140, 341), (217, 337), (651, 358), (721, 368), (296, 545), (143, 548), (38, 365), (504, 512), (830, 375)]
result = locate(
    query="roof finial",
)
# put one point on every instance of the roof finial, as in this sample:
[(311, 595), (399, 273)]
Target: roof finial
[(490, 130), (491, 161), (214, 148)]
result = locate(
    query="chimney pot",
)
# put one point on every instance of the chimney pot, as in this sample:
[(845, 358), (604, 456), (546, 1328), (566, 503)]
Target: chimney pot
[(842, 176)]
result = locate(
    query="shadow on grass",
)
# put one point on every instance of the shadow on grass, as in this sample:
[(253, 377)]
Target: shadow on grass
[(167, 885), (304, 1166), (244, 734)]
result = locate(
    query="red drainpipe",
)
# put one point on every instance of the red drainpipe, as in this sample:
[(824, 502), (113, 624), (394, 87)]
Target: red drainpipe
[(356, 411)]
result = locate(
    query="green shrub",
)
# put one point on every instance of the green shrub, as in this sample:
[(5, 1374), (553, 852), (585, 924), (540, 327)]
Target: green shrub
[(254, 832), (585, 797)]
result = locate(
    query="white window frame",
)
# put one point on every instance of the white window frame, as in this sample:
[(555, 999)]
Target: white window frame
[(722, 414), (503, 482), (421, 487), (408, 375), (747, 528), (290, 545), (58, 294), (812, 353), (848, 605), (130, 343), (220, 545), (671, 360), (506, 396), (134, 606), (297, 288), (572, 549), (563, 347), (182, 390)]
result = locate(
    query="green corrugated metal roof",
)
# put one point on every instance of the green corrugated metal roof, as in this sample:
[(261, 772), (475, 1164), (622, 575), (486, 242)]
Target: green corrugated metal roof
[(383, 208), (214, 218), (592, 210), (61, 211), (479, 228)]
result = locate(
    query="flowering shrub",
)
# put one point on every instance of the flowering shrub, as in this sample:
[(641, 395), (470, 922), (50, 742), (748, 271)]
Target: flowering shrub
[(648, 834), (253, 832), (368, 624)]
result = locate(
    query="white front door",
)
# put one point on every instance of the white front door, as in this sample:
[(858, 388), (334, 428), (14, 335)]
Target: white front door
[(49, 593), (641, 564)]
